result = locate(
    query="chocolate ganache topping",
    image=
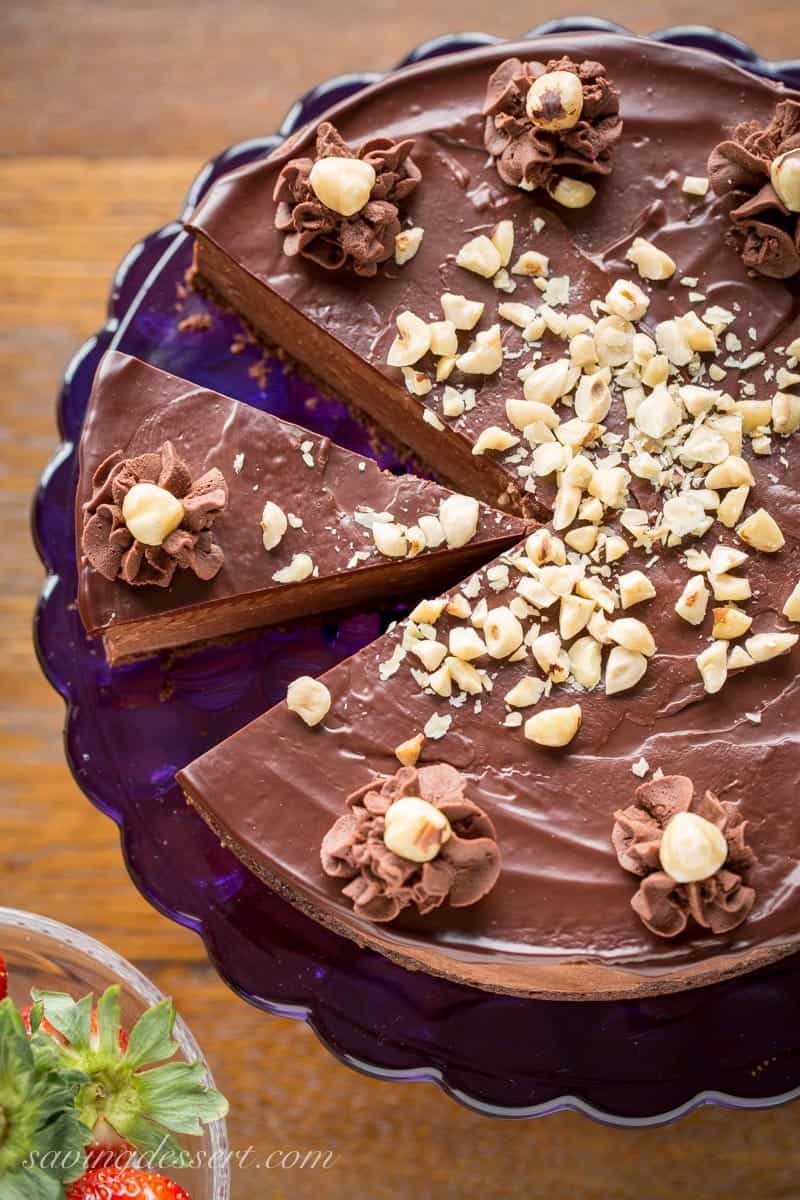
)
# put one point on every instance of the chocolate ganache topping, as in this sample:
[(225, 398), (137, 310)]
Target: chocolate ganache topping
[(765, 225), (329, 238), (527, 154), (112, 549), (721, 901), (383, 883)]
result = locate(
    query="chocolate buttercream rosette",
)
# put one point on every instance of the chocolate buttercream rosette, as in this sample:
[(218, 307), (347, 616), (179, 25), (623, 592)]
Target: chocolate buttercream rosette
[(334, 239), (757, 170), (112, 549), (707, 852), (457, 859), (553, 126)]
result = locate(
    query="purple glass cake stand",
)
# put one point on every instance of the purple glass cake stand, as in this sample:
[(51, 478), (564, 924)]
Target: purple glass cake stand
[(129, 730)]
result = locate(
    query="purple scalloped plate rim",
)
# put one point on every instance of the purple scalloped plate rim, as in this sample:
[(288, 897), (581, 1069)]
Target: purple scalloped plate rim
[(302, 998)]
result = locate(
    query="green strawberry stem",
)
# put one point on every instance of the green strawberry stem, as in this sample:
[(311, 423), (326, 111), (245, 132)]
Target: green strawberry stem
[(42, 1139), (144, 1097)]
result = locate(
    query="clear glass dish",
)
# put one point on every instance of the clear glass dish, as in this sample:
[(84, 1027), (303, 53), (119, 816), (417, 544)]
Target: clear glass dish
[(40, 953), (628, 1063)]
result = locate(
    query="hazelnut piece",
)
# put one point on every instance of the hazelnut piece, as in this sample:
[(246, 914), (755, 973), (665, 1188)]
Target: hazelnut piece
[(415, 830), (151, 513)]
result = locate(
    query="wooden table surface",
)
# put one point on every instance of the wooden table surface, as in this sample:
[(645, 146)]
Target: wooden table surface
[(106, 112)]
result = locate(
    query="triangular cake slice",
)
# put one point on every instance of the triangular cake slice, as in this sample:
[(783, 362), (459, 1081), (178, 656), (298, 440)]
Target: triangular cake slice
[(260, 521)]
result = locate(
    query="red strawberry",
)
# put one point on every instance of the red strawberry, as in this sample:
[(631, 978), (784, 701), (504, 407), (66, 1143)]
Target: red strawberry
[(117, 1184), (3, 978), (46, 1027)]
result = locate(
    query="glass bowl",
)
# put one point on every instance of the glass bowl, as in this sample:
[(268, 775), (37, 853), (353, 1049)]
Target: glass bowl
[(40, 953), (129, 730)]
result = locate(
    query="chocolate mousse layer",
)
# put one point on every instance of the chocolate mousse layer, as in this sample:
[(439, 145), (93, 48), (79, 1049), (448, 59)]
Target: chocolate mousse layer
[(677, 105), (328, 496)]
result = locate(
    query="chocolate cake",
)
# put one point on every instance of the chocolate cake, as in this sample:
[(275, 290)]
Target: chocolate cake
[(273, 522), (566, 273)]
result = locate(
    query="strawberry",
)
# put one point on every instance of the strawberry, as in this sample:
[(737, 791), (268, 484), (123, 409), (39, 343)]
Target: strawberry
[(46, 1027), (3, 978), (134, 1099), (114, 1183)]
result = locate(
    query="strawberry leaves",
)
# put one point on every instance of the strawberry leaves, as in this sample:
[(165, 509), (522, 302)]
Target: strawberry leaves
[(130, 1083), (42, 1140)]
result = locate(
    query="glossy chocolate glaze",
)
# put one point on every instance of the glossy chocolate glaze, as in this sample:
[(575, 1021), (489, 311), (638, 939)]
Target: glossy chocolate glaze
[(676, 104), (559, 920), (135, 408)]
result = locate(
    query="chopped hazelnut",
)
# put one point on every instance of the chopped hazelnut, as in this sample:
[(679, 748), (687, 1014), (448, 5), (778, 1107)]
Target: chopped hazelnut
[(695, 185), (713, 666), (634, 587), (503, 632), (406, 244), (309, 699), (626, 299), (586, 662), (548, 383), (273, 524), (693, 602), (730, 623), (466, 643), (481, 256), (299, 568), (732, 506), (528, 691), (554, 727), (791, 609), (494, 438), (485, 355), (443, 338), (541, 547), (417, 382), (762, 532), (412, 343), (431, 654), (650, 261), (459, 518), (390, 539), (574, 615), (408, 752), (532, 264), (764, 646), (464, 676), (624, 669), (503, 240), (572, 193), (785, 413), (463, 313), (730, 587), (633, 635)]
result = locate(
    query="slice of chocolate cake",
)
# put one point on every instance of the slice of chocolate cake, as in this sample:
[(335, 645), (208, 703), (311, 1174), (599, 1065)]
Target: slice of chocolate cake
[(199, 517)]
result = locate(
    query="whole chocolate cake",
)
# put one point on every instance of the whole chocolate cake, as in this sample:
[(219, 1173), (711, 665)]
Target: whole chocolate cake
[(566, 274)]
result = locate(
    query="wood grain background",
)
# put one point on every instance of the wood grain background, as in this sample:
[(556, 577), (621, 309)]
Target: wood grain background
[(106, 112)]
